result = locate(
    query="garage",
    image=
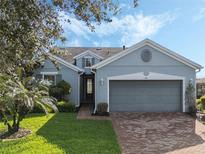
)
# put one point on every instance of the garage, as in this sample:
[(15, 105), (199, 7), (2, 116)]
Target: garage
[(145, 95)]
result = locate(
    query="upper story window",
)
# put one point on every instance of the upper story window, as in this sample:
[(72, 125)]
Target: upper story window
[(88, 61)]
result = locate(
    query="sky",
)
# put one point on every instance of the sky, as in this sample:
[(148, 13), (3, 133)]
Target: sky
[(179, 25)]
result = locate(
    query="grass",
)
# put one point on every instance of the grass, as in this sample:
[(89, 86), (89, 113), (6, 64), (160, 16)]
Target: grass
[(63, 133)]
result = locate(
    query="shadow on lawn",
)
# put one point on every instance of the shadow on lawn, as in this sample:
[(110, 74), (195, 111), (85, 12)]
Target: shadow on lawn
[(79, 136), (55, 131)]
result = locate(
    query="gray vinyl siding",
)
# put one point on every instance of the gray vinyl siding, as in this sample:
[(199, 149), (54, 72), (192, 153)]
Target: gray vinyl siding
[(67, 74), (132, 63)]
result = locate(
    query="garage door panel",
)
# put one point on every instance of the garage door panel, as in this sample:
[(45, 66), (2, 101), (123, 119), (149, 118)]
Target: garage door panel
[(145, 96), (143, 108)]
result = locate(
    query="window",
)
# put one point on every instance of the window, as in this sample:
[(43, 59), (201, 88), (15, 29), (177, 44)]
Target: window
[(88, 62), (89, 86), (50, 78)]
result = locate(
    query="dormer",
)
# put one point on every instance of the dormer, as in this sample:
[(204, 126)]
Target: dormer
[(87, 59)]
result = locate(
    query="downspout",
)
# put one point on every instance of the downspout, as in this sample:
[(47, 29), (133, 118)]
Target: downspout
[(79, 74), (94, 72)]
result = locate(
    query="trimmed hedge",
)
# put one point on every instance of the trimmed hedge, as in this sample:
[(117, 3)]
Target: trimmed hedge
[(64, 106)]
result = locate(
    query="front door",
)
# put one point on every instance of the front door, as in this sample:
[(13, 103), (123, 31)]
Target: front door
[(89, 89)]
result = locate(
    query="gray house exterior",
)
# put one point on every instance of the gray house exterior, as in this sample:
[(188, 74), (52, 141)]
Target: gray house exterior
[(143, 78)]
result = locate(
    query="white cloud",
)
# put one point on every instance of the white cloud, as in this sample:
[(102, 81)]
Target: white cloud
[(125, 6), (77, 27), (134, 28), (200, 15), (130, 28)]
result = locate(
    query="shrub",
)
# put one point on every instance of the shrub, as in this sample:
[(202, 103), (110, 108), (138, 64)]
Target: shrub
[(38, 109), (56, 92), (64, 106), (102, 107), (65, 86), (59, 91), (203, 102), (198, 101)]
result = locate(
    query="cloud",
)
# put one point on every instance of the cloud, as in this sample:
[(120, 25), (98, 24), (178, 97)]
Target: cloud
[(133, 28), (75, 26), (200, 15), (129, 28)]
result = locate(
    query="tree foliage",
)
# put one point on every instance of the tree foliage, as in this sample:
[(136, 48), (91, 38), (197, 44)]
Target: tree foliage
[(18, 96), (28, 29), (190, 96)]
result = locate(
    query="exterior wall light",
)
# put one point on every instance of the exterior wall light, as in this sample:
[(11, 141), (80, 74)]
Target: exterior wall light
[(101, 81)]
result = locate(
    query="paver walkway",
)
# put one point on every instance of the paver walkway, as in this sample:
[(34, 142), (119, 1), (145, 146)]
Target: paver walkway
[(85, 112), (150, 133)]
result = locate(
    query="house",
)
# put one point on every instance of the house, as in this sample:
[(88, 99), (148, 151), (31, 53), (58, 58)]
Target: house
[(145, 77), (200, 87)]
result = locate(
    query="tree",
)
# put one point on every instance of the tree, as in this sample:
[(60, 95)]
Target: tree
[(18, 96), (28, 29), (190, 97)]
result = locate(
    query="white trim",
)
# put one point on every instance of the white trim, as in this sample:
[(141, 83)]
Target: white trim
[(147, 76), (65, 63), (87, 52), (88, 57), (151, 44), (49, 73)]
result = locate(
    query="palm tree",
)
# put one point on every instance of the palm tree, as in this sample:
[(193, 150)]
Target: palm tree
[(18, 96)]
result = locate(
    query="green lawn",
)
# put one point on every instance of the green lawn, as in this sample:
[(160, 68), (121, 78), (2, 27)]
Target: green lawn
[(62, 133)]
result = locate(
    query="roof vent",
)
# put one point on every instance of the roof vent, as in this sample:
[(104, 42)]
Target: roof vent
[(123, 47)]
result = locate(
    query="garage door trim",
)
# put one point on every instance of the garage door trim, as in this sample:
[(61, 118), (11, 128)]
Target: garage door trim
[(147, 76)]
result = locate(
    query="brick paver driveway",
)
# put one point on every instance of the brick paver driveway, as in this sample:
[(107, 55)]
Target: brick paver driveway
[(159, 133)]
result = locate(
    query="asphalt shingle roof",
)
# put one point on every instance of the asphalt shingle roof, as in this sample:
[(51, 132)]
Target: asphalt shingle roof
[(68, 53)]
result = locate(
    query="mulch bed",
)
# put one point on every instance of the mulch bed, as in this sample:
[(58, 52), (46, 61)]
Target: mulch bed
[(18, 135)]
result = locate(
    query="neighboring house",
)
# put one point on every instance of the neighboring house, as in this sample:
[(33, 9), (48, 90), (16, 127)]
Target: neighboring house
[(145, 77), (200, 87)]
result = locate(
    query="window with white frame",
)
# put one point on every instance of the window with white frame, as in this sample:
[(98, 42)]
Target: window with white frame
[(88, 61), (89, 86), (49, 76)]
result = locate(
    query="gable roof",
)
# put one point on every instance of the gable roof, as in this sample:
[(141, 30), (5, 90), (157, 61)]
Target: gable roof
[(87, 52), (153, 45), (69, 53), (65, 63)]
